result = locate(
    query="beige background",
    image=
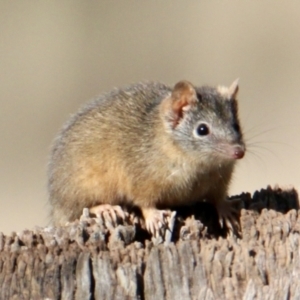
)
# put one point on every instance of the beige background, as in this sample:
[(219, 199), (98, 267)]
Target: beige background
[(54, 55)]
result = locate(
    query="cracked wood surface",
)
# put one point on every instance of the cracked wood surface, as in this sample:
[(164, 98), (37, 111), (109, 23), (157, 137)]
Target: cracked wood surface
[(91, 260)]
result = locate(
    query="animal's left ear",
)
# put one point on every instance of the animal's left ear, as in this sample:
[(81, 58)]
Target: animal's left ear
[(183, 97), (233, 89)]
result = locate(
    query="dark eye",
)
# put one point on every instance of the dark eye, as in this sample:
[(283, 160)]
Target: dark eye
[(202, 129)]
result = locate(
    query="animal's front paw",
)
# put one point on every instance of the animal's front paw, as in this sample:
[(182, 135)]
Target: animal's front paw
[(159, 223), (229, 215), (109, 213)]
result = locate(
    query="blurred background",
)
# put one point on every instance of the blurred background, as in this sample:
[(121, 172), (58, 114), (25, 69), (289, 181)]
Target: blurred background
[(55, 55)]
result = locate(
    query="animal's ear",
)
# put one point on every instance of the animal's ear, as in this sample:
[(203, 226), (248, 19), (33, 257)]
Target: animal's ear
[(229, 92), (233, 89), (182, 98)]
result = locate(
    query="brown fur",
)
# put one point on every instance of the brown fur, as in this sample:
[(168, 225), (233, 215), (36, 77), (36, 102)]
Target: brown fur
[(136, 145)]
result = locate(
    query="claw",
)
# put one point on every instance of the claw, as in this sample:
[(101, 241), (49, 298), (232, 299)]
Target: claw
[(109, 213), (156, 220), (120, 212), (229, 215)]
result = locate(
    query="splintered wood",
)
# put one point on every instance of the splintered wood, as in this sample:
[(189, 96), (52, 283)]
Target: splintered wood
[(90, 259)]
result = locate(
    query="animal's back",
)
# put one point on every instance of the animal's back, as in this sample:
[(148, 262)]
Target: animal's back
[(91, 155)]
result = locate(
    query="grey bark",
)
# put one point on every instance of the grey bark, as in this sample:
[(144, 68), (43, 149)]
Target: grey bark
[(91, 260)]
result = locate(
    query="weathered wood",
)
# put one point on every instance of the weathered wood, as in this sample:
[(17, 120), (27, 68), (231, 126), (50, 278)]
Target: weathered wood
[(91, 260)]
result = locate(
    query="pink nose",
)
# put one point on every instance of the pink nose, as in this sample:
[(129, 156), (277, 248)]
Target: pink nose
[(238, 152)]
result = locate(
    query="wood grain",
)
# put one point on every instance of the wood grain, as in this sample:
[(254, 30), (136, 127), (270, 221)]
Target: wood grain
[(91, 260)]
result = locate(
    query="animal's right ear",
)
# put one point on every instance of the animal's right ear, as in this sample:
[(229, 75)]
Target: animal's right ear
[(182, 98)]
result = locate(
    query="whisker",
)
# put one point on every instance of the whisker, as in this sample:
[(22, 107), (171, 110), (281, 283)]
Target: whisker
[(256, 156), (264, 148), (271, 143), (258, 126), (261, 132)]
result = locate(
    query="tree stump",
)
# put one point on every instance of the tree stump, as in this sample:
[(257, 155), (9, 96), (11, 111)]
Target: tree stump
[(91, 260)]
